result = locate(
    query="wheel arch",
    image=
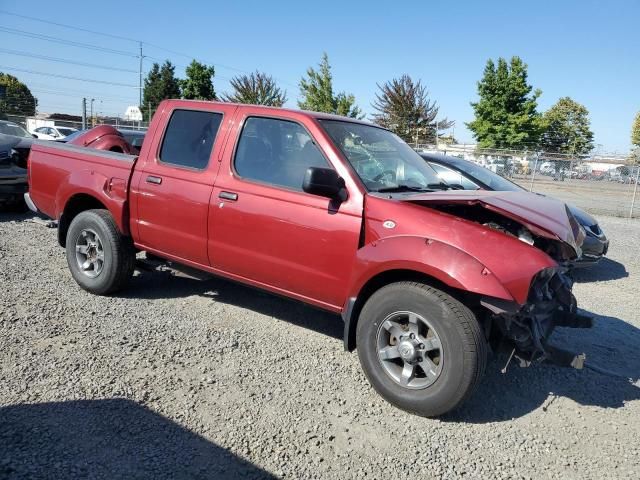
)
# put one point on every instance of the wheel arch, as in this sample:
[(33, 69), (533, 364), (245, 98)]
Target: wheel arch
[(76, 204), (351, 311)]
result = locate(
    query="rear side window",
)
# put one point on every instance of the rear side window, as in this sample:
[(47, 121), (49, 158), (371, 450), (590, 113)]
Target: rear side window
[(189, 138), (275, 151)]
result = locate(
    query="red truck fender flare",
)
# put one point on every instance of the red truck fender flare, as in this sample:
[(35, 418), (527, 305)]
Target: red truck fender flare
[(403, 256), (110, 192)]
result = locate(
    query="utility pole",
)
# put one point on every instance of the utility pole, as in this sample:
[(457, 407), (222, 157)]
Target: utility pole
[(91, 116), (635, 191), (436, 129), (140, 81), (84, 114), (533, 175)]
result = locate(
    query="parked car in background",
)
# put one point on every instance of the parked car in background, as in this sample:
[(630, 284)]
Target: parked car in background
[(53, 133), (470, 176), (13, 172), (13, 129), (332, 211), (134, 138)]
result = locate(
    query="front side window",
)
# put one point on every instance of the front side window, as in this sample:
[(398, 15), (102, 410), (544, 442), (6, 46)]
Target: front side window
[(275, 151), (189, 138), (381, 159)]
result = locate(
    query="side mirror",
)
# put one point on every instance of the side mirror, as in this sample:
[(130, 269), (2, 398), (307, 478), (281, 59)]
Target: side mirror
[(34, 135), (324, 182)]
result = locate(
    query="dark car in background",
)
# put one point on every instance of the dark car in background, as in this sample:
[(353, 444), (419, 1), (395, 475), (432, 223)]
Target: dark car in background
[(13, 172), (470, 176), (134, 138)]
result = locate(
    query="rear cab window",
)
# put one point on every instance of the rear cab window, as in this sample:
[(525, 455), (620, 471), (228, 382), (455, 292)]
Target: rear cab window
[(189, 138)]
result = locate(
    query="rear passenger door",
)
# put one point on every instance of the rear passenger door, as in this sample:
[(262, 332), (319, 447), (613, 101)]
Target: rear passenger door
[(174, 184), (266, 229)]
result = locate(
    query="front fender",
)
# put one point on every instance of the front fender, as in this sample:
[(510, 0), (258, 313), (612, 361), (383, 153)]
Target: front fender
[(110, 191), (446, 263)]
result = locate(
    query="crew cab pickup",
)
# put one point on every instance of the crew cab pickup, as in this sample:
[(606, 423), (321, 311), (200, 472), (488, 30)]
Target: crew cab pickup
[(335, 212)]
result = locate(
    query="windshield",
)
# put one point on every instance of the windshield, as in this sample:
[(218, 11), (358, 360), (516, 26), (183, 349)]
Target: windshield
[(381, 159), (14, 129), (66, 131), (486, 176)]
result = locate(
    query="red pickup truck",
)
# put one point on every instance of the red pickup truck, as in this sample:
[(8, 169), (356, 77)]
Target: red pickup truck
[(337, 213)]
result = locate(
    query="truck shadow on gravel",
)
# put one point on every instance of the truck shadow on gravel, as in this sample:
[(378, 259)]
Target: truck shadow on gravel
[(166, 284), (605, 270), (113, 438), (612, 344)]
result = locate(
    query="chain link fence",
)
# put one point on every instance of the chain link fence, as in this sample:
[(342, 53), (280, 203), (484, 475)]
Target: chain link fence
[(77, 124), (602, 183)]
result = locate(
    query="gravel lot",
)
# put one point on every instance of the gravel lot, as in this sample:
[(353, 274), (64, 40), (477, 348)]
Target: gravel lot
[(597, 197), (186, 378)]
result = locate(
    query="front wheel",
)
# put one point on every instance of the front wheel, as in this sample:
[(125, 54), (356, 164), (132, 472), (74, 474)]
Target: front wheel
[(100, 258), (420, 348)]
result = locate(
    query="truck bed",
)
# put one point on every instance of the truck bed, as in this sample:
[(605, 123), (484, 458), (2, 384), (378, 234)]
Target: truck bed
[(58, 171)]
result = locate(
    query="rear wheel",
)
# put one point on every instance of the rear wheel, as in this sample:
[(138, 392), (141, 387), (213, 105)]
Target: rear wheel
[(420, 348), (100, 259)]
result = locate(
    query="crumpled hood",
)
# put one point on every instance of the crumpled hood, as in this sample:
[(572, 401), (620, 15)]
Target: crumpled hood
[(544, 216)]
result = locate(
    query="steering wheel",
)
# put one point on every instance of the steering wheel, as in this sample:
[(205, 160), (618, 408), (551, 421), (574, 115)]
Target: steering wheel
[(380, 176)]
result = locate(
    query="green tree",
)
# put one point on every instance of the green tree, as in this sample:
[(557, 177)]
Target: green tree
[(317, 93), (199, 84), (404, 107), (17, 99), (159, 85), (257, 89), (567, 128), (635, 139), (635, 131), (506, 114)]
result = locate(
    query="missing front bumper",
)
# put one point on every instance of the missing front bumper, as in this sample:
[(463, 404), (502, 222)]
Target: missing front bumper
[(525, 330)]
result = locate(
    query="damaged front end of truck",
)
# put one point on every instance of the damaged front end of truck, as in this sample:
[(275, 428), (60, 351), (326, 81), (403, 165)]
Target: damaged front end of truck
[(524, 330)]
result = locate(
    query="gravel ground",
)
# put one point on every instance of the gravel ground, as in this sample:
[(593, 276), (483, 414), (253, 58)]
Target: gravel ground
[(599, 197), (186, 378)]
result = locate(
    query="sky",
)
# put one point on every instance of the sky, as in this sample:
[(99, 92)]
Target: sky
[(588, 50)]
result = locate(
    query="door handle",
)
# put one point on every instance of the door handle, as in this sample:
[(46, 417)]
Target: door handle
[(153, 179), (228, 196)]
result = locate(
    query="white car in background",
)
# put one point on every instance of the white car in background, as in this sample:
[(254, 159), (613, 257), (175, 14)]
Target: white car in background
[(53, 133)]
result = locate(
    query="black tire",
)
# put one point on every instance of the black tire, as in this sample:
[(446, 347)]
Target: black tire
[(464, 347), (118, 253)]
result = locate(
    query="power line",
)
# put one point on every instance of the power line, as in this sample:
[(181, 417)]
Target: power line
[(79, 95), (4, 12), (82, 93), (148, 44), (49, 38), (67, 77), (108, 50), (63, 60)]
